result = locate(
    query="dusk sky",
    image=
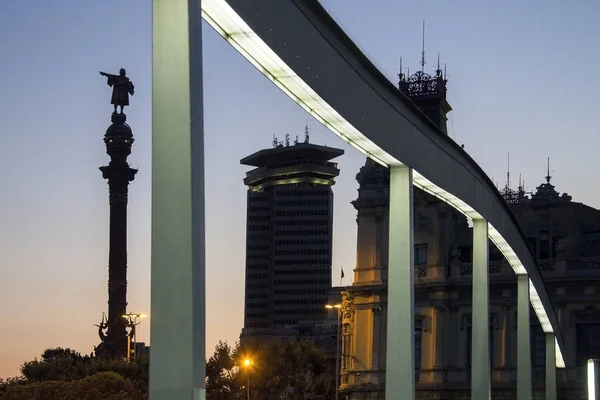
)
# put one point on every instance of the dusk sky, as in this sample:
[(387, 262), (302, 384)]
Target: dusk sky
[(522, 78)]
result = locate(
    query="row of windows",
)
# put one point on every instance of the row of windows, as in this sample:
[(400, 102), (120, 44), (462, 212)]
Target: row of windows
[(319, 193), (295, 292), (255, 237), (258, 247), (323, 261), (252, 296), (303, 242), (301, 213), (258, 286), (308, 222), (301, 203), (301, 301), (304, 311), (302, 232), (538, 345), (258, 198), (256, 315), (303, 252), (305, 161), (302, 282), (254, 218), (545, 247), (256, 325), (259, 227), (586, 341), (257, 305), (257, 276), (285, 321), (258, 256), (257, 266), (259, 208), (321, 271)]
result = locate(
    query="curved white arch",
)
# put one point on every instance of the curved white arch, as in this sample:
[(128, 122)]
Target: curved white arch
[(301, 49)]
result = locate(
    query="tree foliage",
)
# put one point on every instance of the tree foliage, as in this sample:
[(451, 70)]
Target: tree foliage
[(222, 373), (101, 386), (61, 364), (279, 370)]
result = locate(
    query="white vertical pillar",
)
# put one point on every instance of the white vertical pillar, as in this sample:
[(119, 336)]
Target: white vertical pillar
[(177, 355), (524, 389), (550, 366), (480, 344), (400, 355)]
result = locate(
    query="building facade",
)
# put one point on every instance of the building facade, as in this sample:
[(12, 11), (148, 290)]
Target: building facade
[(564, 237), (289, 237)]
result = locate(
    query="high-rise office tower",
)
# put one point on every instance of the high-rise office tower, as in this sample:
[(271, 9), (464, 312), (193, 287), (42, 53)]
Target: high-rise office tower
[(288, 235)]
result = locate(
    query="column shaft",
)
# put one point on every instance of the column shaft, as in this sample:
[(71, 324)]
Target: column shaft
[(550, 366), (524, 389), (177, 357), (480, 346), (400, 367)]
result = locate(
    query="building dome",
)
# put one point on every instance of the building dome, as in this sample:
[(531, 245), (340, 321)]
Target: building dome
[(118, 126)]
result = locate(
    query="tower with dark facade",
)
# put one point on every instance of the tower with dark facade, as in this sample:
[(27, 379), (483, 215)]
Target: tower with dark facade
[(118, 140), (288, 236)]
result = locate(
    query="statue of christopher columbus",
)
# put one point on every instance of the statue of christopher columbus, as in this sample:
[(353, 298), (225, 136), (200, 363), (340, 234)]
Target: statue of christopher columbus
[(122, 88)]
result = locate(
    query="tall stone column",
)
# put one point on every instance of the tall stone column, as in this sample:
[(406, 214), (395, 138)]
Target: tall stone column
[(400, 357), (118, 140), (480, 345), (178, 285), (524, 386), (550, 366)]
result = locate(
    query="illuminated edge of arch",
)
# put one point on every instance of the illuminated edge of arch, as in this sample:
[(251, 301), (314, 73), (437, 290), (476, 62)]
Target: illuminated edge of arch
[(223, 19)]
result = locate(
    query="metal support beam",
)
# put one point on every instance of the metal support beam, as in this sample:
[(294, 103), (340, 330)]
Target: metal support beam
[(177, 355), (524, 388), (480, 342), (550, 366), (400, 356)]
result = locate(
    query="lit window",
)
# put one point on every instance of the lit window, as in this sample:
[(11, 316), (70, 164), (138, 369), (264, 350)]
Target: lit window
[(421, 254)]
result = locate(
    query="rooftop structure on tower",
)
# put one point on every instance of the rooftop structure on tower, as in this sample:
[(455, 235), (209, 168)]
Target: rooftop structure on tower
[(427, 91)]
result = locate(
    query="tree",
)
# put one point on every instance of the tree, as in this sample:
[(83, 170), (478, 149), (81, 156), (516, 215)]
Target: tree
[(279, 370), (222, 373), (289, 370)]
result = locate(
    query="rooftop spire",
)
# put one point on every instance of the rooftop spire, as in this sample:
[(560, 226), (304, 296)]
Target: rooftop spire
[(306, 134), (548, 177), (423, 50), (508, 172)]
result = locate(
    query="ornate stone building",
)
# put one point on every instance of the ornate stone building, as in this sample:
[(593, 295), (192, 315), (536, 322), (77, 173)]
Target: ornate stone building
[(564, 237)]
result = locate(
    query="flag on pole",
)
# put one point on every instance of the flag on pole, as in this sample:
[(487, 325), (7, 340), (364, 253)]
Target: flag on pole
[(342, 276)]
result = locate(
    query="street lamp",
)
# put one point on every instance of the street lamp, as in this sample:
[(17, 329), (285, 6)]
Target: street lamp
[(337, 350), (248, 363), (132, 323)]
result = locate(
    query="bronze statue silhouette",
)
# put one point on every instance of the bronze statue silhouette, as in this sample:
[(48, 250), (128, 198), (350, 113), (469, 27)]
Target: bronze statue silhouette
[(122, 88)]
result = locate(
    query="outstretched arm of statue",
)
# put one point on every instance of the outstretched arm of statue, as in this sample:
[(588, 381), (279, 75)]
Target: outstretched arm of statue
[(110, 77)]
